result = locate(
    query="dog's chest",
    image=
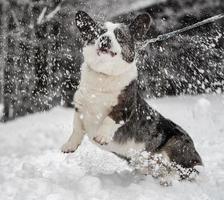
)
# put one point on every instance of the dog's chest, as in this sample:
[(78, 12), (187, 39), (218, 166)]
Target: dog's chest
[(97, 94), (94, 106)]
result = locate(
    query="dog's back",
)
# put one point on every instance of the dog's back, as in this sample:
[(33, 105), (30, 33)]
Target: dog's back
[(145, 125)]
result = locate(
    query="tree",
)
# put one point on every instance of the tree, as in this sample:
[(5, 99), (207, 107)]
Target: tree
[(191, 63)]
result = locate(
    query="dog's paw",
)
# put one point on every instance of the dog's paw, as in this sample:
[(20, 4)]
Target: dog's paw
[(69, 147), (102, 139)]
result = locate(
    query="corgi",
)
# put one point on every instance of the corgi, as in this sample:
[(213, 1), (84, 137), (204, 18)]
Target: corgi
[(108, 106)]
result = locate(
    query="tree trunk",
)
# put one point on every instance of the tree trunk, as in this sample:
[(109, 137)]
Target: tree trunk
[(5, 96)]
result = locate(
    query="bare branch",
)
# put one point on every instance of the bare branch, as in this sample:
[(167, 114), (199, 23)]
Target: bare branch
[(15, 19), (53, 13), (41, 16)]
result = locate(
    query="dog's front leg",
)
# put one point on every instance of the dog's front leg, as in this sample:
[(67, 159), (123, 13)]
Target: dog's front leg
[(77, 135), (105, 133)]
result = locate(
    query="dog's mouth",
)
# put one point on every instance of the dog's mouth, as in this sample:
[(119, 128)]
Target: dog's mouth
[(106, 51)]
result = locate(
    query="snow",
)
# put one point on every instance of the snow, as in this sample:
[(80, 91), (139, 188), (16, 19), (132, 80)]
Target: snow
[(41, 16), (108, 9), (32, 166)]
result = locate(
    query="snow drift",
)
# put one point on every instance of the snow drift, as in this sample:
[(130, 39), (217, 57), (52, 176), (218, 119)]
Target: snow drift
[(32, 166)]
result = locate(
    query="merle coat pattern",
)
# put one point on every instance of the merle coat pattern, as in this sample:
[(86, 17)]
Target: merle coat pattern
[(108, 106)]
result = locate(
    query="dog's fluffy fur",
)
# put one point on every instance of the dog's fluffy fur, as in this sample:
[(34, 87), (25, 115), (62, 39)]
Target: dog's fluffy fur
[(108, 106)]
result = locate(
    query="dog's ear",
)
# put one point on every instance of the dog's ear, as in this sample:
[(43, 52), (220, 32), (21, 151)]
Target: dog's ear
[(140, 26), (87, 26)]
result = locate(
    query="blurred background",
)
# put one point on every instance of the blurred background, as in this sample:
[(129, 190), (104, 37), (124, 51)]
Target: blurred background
[(41, 51)]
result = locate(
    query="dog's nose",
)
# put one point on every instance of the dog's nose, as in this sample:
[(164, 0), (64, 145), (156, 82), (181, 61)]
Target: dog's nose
[(105, 43)]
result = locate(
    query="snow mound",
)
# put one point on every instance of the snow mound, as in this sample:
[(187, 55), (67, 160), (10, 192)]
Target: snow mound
[(32, 166)]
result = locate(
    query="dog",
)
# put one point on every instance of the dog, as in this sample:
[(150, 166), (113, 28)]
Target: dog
[(109, 108)]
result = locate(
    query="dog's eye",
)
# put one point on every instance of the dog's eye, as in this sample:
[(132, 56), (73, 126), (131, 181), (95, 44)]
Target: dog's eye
[(98, 32), (120, 36), (101, 30)]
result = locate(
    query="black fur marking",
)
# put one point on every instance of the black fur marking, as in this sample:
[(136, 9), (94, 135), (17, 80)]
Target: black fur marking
[(123, 157), (140, 26), (144, 124), (123, 110), (88, 28), (126, 42), (180, 149)]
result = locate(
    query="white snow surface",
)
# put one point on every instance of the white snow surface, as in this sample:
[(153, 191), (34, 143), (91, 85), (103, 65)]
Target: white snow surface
[(32, 166)]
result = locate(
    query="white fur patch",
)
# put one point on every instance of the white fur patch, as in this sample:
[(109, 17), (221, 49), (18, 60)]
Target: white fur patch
[(106, 131)]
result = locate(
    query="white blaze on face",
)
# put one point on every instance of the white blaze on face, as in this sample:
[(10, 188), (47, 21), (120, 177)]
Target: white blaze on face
[(104, 62), (115, 46)]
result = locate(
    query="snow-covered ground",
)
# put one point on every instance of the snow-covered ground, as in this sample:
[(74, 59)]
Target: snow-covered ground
[(32, 166)]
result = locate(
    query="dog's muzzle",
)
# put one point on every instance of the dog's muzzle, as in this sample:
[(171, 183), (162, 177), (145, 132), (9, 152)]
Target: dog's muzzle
[(104, 46)]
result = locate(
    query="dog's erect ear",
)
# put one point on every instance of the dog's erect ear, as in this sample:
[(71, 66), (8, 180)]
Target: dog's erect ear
[(87, 26), (140, 26)]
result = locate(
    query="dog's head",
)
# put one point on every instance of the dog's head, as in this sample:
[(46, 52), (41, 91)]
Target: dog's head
[(110, 48)]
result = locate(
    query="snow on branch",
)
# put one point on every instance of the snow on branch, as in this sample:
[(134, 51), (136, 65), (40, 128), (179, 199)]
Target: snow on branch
[(41, 16), (15, 19), (177, 32), (53, 13)]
